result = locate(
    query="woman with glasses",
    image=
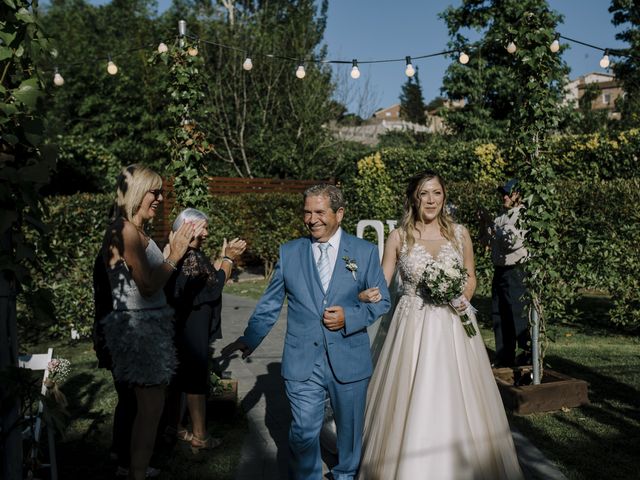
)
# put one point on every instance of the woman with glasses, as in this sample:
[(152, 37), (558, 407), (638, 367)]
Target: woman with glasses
[(139, 330)]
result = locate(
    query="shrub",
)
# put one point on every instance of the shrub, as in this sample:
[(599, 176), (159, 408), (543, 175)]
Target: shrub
[(599, 233)]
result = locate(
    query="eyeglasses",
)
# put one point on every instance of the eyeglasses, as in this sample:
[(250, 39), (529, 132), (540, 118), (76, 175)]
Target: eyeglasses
[(157, 192)]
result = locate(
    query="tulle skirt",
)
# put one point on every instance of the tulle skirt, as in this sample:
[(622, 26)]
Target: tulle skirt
[(141, 345), (433, 407)]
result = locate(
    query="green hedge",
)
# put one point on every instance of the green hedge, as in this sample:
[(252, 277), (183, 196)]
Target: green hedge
[(601, 226)]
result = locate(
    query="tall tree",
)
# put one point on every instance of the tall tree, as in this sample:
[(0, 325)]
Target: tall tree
[(124, 113), (412, 106), (25, 163), (489, 84), (267, 122), (627, 67)]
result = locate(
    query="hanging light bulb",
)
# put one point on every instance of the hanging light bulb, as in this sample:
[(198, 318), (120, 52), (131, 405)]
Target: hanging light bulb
[(162, 48), (58, 81), (604, 61), (511, 47), (192, 51), (247, 64), (112, 68), (409, 71), (555, 46), (463, 58), (300, 73), (355, 71)]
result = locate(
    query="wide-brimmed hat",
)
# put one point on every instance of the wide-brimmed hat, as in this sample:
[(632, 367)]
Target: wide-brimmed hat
[(509, 187)]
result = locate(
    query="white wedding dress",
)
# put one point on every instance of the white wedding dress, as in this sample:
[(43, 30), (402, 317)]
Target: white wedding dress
[(433, 408)]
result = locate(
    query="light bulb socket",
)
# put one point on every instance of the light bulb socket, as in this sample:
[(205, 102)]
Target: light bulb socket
[(182, 28)]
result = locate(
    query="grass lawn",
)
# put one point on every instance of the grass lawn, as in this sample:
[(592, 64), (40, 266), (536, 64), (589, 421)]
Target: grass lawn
[(83, 450), (600, 440), (597, 441)]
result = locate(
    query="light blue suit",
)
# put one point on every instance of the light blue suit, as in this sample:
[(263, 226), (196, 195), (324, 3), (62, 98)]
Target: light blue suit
[(316, 360)]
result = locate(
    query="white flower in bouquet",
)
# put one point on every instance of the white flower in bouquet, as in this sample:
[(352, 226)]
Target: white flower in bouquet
[(443, 284)]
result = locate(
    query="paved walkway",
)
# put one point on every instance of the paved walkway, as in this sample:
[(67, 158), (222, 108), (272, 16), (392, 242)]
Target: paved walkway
[(261, 391)]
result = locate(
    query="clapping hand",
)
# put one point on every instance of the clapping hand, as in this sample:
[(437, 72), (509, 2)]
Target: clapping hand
[(234, 248)]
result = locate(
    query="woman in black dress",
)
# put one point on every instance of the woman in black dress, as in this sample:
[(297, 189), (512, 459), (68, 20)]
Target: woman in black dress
[(195, 292)]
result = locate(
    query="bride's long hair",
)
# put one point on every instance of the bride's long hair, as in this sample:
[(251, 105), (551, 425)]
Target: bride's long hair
[(412, 203)]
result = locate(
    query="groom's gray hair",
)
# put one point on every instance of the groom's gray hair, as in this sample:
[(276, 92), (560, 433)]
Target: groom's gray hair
[(336, 199)]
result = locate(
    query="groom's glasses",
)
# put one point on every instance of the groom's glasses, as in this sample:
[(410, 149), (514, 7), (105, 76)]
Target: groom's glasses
[(156, 192)]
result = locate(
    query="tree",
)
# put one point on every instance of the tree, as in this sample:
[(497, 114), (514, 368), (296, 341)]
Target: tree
[(124, 113), (627, 66), (25, 163), (412, 105), (267, 122), (489, 83)]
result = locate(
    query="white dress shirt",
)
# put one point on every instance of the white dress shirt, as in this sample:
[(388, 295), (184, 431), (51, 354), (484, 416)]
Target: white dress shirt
[(332, 251)]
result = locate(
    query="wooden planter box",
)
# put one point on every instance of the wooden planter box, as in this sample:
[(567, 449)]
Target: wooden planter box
[(556, 391)]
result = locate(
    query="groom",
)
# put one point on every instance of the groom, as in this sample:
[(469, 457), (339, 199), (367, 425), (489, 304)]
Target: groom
[(326, 347)]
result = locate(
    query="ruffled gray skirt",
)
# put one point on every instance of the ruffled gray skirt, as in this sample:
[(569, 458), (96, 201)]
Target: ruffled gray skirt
[(141, 345)]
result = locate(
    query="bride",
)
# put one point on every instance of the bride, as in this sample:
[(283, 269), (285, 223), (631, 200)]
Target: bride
[(433, 408)]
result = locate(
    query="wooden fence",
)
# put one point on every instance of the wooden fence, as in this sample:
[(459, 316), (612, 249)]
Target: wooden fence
[(227, 186)]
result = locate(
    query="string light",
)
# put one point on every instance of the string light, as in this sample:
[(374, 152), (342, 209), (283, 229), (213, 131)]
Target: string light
[(112, 68), (409, 71), (355, 71), (300, 73), (58, 81)]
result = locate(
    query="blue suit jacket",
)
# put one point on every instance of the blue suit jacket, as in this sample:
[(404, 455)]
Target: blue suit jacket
[(296, 278)]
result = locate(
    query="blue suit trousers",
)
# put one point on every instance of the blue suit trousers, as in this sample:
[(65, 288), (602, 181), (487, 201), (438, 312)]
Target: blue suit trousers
[(307, 401)]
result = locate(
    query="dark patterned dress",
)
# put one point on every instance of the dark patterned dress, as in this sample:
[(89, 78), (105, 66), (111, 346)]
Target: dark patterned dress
[(195, 292)]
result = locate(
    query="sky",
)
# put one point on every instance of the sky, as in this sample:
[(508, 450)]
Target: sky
[(381, 29)]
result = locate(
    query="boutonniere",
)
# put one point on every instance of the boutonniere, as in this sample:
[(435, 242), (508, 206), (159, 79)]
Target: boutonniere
[(351, 265)]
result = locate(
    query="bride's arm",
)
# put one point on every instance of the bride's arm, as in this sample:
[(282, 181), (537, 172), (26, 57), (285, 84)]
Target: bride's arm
[(389, 257), (469, 264)]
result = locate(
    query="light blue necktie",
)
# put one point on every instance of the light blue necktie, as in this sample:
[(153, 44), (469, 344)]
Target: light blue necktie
[(324, 269)]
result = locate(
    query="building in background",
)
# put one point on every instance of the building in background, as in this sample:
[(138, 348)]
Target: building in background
[(609, 90)]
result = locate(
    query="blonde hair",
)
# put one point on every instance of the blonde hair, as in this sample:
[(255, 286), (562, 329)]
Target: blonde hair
[(132, 185), (412, 209)]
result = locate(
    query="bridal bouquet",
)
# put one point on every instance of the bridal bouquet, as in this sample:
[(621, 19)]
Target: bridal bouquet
[(442, 283)]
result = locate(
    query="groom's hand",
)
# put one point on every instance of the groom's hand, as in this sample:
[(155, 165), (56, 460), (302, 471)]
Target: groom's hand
[(333, 317), (233, 346)]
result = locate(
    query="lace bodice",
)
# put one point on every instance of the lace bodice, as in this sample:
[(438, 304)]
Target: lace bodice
[(124, 291), (411, 263)]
